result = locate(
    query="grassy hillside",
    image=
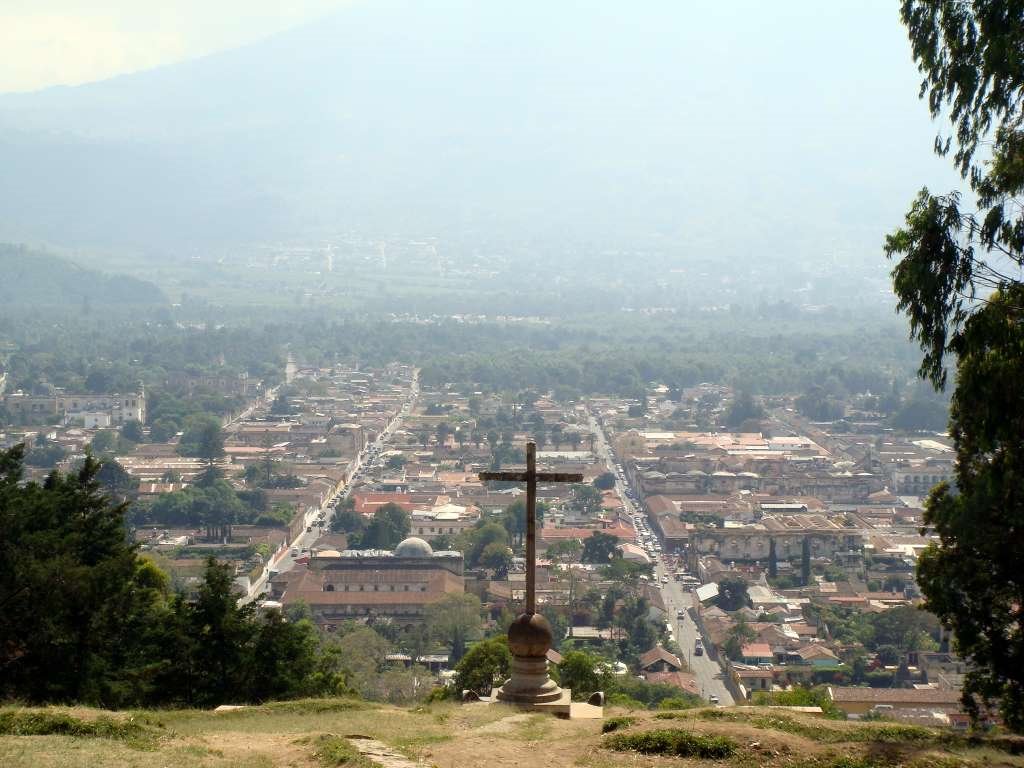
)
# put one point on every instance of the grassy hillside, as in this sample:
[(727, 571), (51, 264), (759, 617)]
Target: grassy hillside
[(36, 278), (337, 732)]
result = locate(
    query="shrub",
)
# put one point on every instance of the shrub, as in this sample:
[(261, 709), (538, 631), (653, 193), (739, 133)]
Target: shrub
[(316, 706), (41, 723), (801, 697), (615, 723), (336, 750), (673, 743)]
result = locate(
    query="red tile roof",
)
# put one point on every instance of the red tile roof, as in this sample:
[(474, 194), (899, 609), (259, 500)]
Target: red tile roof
[(658, 653), (920, 696), (682, 680), (756, 651)]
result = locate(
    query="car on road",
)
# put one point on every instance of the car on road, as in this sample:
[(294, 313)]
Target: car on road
[(714, 699), (698, 647), (681, 613)]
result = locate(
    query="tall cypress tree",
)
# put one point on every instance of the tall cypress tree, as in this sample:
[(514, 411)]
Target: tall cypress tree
[(805, 562)]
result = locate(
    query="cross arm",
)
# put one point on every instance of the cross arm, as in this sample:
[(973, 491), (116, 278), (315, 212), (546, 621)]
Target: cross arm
[(543, 477), (559, 477), (518, 477)]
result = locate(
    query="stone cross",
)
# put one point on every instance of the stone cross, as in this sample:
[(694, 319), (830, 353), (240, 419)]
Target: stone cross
[(530, 477)]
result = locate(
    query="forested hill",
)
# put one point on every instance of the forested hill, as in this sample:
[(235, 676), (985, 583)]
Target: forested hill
[(36, 278)]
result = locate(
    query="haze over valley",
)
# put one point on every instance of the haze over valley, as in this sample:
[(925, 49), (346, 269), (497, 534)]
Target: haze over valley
[(666, 155)]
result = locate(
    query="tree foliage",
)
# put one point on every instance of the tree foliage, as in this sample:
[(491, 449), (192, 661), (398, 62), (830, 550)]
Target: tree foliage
[(203, 439), (584, 673), (454, 621), (87, 620), (732, 594), (388, 526), (957, 279), (599, 548), (484, 666)]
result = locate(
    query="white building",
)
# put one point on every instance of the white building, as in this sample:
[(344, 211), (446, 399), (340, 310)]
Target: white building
[(96, 419), (445, 519)]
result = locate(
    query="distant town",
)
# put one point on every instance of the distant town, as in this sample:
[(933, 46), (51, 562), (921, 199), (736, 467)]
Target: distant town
[(721, 546)]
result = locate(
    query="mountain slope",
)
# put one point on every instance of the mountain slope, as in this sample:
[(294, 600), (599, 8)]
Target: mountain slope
[(34, 278), (729, 130)]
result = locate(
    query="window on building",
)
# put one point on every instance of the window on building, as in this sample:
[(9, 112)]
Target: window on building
[(328, 587)]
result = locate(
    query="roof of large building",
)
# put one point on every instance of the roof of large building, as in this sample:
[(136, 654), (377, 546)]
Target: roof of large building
[(893, 695)]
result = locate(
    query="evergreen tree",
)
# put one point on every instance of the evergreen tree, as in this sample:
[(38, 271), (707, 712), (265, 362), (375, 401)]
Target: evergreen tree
[(221, 632), (805, 562), (74, 596)]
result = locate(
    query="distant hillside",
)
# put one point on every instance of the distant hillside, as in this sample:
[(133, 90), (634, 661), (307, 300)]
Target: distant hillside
[(35, 278), (749, 133)]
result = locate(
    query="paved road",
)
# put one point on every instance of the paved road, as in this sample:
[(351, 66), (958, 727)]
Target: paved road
[(312, 530), (231, 425), (707, 671)]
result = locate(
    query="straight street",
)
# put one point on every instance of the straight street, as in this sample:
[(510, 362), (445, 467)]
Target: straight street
[(319, 520), (707, 671)]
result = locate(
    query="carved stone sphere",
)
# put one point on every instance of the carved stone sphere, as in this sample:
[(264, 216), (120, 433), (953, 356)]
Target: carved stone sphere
[(529, 635)]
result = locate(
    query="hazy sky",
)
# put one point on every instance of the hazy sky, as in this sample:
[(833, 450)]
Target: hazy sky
[(65, 42)]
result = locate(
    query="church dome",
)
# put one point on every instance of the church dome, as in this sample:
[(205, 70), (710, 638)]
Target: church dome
[(413, 547)]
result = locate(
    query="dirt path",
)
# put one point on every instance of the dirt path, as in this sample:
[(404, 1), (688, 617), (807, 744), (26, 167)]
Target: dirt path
[(259, 749)]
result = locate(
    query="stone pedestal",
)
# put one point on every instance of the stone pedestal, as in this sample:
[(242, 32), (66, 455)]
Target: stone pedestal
[(529, 682), (529, 639), (529, 686)]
